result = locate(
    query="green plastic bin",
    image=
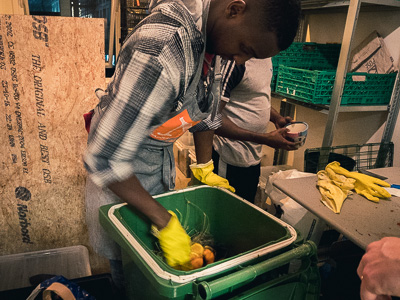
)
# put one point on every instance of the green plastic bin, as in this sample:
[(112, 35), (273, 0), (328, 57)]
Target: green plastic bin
[(258, 255)]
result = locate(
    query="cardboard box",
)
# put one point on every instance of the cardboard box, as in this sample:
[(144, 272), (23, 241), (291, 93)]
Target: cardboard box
[(372, 56), (392, 44), (184, 157)]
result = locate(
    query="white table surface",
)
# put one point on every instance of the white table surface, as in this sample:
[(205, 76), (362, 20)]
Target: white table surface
[(360, 220)]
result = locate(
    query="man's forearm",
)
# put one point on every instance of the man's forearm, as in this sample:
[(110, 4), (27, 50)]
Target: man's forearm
[(276, 117), (203, 145), (232, 131), (274, 139), (279, 120)]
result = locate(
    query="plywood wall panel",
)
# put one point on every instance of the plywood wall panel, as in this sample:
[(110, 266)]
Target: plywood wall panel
[(49, 70)]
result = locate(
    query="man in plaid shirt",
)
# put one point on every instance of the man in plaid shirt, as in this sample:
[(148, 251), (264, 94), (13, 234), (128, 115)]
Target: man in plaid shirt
[(159, 90)]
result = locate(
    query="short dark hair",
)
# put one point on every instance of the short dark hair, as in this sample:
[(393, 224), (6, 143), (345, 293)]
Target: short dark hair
[(281, 17)]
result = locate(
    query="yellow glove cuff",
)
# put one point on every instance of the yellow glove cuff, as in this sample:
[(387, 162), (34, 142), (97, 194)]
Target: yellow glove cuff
[(200, 171), (202, 166), (204, 173)]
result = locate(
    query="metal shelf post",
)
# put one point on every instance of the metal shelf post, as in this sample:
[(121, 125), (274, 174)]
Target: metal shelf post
[(390, 124), (351, 22)]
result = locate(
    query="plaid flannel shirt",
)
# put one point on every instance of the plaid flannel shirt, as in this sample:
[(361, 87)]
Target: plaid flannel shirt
[(154, 69)]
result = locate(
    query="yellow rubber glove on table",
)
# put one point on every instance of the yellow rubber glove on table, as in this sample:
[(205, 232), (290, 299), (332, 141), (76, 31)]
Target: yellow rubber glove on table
[(334, 189), (204, 173), (365, 185), (174, 242)]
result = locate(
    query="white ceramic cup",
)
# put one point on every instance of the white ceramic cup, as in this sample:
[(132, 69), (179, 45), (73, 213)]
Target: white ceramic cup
[(297, 132)]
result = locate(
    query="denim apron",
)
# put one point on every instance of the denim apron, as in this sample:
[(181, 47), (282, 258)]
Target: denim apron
[(154, 163)]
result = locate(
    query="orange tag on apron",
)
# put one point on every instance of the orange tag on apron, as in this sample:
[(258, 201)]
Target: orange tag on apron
[(174, 127)]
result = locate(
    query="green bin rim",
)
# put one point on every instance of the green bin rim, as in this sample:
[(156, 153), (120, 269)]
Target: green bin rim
[(181, 279)]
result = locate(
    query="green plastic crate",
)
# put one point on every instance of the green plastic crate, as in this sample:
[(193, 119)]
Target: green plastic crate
[(256, 252), (311, 56), (314, 86)]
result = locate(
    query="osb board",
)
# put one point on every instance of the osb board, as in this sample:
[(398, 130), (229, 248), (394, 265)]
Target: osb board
[(49, 70)]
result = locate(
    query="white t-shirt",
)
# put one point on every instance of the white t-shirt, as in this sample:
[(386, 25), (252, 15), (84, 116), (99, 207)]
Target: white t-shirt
[(247, 92)]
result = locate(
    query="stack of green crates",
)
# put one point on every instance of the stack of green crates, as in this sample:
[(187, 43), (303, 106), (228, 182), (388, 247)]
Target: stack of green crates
[(310, 56), (306, 72), (258, 256), (316, 87)]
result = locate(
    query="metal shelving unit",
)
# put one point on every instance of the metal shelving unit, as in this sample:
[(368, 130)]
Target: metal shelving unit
[(351, 22), (353, 10), (133, 12), (325, 108), (353, 6), (125, 15)]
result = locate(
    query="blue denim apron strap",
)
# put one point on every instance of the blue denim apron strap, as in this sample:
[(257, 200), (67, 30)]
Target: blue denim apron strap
[(169, 171)]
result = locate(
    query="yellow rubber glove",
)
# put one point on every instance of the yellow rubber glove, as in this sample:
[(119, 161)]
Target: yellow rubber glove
[(174, 242), (204, 173), (344, 183), (365, 185), (334, 189)]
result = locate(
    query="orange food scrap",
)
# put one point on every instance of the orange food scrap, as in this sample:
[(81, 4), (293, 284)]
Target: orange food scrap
[(209, 254), (196, 255), (196, 250), (200, 256), (197, 263)]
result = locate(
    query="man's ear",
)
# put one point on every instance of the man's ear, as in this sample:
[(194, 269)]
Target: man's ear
[(235, 8)]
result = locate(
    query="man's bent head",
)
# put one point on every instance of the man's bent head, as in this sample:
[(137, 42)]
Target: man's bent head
[(242, 29)]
